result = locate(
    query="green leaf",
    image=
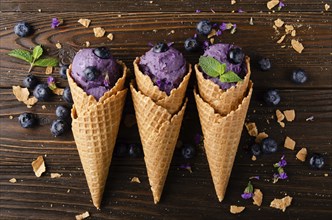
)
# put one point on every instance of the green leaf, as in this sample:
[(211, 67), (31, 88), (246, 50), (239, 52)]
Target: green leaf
[(230, 76), (37, 52), (211, 66), (46, 62), (21, 54)]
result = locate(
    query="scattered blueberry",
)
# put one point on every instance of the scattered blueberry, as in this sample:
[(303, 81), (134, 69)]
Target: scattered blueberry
[(235, 55), (67, 95), (58, 127), (62, 112), (269, 145), (204, 27), (135, 150), (27, 120), (160, 47), (42, 92), (264, 64), (102, 52), (188, 151), (30, 81), (317, 161), (63, 71), (120, 150), (299, 76), (23, 29), (91, 73), (191, 44), (256, 149), (271, 97)]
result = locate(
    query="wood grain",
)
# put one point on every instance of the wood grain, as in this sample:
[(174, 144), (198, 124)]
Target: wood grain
[(186, 195)]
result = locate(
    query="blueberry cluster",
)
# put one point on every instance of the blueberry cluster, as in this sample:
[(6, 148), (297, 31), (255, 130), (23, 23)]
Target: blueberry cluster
[(61, 124), (267, 146)]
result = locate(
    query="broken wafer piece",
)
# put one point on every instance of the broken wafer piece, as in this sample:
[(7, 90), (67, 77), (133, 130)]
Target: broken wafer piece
[(236, 209), (82, 216), (38, 166), (302, 154), (289, 115), (55, 175), (258, 197), (271, 4), (279, 23), (12, 180), (135, 180), (21, 94), (280, 115), (99, 31), (84, 22), (260, 137), (281, 204), (297, 46), (251, 128), (289, 143)]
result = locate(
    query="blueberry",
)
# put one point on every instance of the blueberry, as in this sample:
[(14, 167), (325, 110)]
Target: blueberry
[(23, 29), (264, 64), (42, 92), (27, 120), (299, 76), (191, 44), (204, 27), (91, 73), (63, 71), (269, 145), (256, 149), (235, 55), (59, 127), (188, 151), (317, 161), (160, 47), (62, 112), (102, 52), (135, 150), (120, 150), (67, 95), (271, 97), (30, 81)]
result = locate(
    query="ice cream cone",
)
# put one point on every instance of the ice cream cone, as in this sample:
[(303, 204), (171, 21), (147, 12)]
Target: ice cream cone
[(83, 101), (159, 131), (173, 102), (95, 131), (222, 134), (222, 101)]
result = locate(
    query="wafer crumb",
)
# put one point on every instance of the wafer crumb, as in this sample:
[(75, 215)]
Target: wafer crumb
[(87, 43), (135, 180), (281, 204), (12, 180), (281, 39), (43, 107), (302, 154), (258, 197), (289, 28), (251, 128), (293, 33), (38, 166), (326, 174), (251, 21), (99, 31), (212, 40), (110, 36), (21, 94), (297, 46), (234, 209), (84, 22), (280, 115), (11, 117), (212, 33), (271, 4), (290, 115), (58, 91), (58, 45), (48, 70), (327, 7), (282, 124), (55, 175), (289, 143), (260, 137), (82, 216), (253, 158), (233, 2), (279, 23), (31, 101)]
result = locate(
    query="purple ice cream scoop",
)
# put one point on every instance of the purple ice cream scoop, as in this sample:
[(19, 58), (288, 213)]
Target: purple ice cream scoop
[(165, 65), (95, 71), (221, 52)]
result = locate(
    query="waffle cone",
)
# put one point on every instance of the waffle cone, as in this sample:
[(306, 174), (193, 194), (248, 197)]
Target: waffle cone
[(83, 101), (159, 131), (173, 103), (222, 135), (222, 101)]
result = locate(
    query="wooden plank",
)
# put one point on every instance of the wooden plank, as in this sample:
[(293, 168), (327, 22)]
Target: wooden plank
[(133, 31), (146, 5)]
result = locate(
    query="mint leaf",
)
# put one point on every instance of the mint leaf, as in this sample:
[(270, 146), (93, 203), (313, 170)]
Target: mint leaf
[(211, 66), (46, 62), (230, 76), (21, 54), (37, 52)]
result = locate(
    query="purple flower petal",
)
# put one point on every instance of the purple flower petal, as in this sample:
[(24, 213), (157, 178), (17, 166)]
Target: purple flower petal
[(195, 36), (50, 79), (240, 11), (283, 176), (247, 195), (218, 33), (198, 11), (55, 23), (223, 26)]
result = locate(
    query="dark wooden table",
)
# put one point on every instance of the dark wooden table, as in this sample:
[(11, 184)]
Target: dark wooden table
[(186, 195)]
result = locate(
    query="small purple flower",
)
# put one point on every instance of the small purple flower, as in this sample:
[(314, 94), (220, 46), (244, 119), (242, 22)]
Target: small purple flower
[(240, 10), (218, 33), (281, 163), (55, 23), (247, 195), (283, 176), (248, 191), (223, 26), (198, 11), (51, 83), (281, 5), (195, 36)]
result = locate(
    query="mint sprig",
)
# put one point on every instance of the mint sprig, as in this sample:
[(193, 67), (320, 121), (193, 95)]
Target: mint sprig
[(214, 68), (34, 57)]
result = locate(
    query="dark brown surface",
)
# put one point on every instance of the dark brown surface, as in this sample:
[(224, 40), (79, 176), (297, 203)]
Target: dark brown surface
[(186, 195)]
